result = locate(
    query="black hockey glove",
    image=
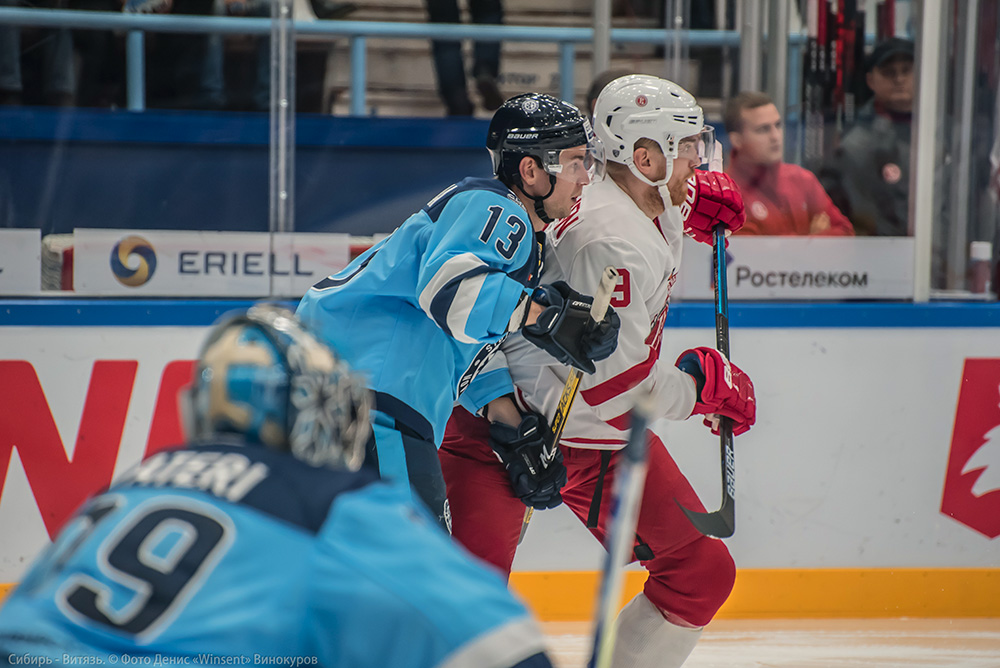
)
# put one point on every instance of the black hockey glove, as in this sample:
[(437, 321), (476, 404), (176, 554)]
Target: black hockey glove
[(534, 464), (565, 330)]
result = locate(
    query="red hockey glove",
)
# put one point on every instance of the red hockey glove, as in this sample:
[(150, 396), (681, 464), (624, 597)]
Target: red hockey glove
[(713, 198), (723, 389)]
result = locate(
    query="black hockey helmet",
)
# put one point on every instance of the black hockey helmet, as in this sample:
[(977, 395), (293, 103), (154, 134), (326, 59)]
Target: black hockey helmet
[(540, 126)]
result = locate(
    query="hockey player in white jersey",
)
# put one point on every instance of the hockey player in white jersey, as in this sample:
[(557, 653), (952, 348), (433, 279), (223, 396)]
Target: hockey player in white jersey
[(654, 135), (421, 313), (262, 542)]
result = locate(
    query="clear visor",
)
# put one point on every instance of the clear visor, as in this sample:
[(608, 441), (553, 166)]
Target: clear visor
[(700, 147), (581, 164)]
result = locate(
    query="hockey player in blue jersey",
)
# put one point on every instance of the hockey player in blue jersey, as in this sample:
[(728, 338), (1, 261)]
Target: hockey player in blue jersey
[(261, 542), (422, 312)]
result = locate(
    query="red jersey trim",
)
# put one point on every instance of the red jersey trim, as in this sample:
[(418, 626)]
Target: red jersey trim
[(562, 225), (621, 422), (621, 383), (656, 221), (593, 441)]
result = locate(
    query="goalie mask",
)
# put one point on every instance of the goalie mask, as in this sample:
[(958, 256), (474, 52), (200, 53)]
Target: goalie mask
[(542, 127), (640, 106), (260, 375)]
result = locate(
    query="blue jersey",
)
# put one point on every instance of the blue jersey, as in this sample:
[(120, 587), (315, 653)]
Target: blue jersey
[(423, 311), (232, 555)]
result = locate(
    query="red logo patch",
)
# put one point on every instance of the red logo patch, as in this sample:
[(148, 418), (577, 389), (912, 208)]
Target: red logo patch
[(891, 173), (972, 482), (641, 101)]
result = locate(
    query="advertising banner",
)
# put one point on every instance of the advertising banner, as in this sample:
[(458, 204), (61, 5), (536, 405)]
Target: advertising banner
[(857, 442), (972, 489), (20, 262), (803, 268), (161, 263)]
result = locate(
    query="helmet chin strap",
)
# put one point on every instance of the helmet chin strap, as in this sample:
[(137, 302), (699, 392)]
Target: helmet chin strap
[(642, 177), (540, 201)]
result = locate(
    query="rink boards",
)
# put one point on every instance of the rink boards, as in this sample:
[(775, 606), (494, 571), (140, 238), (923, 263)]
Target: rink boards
[(870, 485)]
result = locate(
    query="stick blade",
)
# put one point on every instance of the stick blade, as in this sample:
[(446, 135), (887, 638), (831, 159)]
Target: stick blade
[(720, 524)]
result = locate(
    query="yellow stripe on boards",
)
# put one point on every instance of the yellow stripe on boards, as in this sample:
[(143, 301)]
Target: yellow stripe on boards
[(776, 593)]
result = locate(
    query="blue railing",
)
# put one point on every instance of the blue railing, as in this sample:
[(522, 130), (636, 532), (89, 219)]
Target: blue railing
[(136, 25)]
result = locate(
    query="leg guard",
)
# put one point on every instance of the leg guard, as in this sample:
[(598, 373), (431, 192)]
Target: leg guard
[(647, 640)]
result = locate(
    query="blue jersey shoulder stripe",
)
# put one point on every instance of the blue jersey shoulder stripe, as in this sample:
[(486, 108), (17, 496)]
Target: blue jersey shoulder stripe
[(434, 208), (442, 301)]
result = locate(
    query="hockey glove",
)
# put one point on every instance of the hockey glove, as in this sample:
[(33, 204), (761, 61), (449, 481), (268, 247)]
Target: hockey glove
[(565, 330), (723, 389), (713, 198), (535, 465)]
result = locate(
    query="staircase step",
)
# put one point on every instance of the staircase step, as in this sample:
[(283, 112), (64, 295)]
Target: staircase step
[(400, 72)]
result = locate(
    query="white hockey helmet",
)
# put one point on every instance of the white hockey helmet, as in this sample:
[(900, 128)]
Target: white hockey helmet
[(641, 106)]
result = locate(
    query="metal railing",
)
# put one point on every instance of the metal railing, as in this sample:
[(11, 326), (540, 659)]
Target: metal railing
[(357, 32)]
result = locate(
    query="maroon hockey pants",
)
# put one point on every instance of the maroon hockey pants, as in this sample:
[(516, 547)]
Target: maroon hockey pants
[(690, 576)]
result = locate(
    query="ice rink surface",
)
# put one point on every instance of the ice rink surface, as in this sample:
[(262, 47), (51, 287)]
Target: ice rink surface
[(824, 643)]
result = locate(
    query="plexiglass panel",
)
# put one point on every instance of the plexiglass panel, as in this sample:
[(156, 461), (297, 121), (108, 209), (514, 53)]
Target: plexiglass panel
[(146, 148)]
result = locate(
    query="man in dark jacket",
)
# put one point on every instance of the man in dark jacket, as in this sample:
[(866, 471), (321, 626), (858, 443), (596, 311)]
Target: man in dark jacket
[(869, 175)]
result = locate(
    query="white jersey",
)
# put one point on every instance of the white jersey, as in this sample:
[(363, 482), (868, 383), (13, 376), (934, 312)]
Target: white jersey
[(608, 228)]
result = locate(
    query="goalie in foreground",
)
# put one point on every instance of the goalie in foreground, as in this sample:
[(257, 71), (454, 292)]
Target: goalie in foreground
[(261, 541)]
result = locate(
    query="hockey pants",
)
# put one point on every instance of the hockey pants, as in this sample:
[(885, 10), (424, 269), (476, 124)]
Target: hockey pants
[(690, 575)]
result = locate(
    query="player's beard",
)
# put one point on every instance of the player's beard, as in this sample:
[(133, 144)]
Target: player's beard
[(678, 188)]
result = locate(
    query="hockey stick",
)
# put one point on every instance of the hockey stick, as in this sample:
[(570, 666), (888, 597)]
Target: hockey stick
[(721, 523), (630, 478), (597, 310)]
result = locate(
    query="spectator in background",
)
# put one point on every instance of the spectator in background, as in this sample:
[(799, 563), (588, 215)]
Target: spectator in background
[(184, 69), (995, 155), (869, 174), (781, 198), (189, 71), (449, 65), (100, 55), (58, 84)]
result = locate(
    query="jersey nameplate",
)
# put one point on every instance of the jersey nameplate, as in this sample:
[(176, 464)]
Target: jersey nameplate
[(229, 475)]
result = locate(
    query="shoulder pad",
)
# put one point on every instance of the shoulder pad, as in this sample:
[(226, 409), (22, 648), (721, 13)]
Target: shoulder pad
[(435, 206)]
